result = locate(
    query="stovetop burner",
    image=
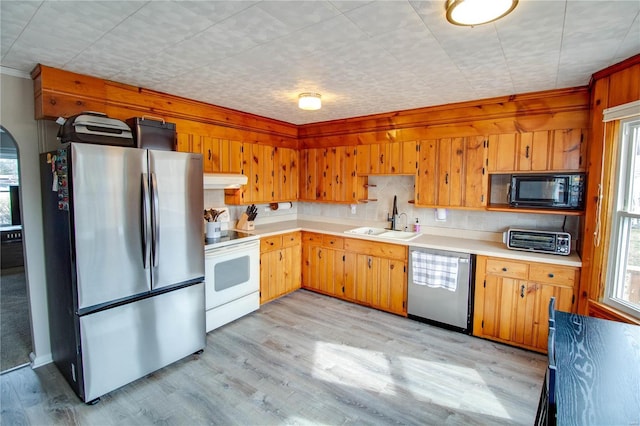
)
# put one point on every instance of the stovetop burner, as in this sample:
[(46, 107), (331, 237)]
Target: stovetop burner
[(227, 237)]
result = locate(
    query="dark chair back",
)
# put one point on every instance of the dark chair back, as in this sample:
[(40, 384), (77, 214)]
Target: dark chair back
[(552, 312)]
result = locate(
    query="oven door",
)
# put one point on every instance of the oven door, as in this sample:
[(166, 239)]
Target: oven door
[(231, 272)]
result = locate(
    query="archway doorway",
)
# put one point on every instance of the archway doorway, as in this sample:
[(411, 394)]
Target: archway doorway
[(15, 330)]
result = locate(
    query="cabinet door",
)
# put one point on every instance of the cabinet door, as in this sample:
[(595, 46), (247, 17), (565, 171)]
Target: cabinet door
[(188, 142), (500, 306), (251, 166), (502, 153), (292, 267), (450, 159), (391, 290), (363, 159), (426, 180), (267, 275), (393, 158), (323, 189), (350, 272), (211, 154), (308, 174), (475, 177), (267, 157), (234, 162), (409, 164), (533, 151), (285, 182), (567, 150), (350, 175), (376, 159), (366, 282)]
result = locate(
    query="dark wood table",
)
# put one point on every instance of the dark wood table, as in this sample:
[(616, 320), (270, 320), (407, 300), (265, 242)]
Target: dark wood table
[(598, 371)]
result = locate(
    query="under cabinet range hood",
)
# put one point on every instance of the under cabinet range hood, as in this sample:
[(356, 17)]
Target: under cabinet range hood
[(223, 180)]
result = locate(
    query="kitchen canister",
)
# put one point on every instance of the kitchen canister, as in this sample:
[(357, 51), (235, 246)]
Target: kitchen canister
[(213, 230)]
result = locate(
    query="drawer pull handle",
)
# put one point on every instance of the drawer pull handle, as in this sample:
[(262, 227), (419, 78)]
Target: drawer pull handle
[(522, 290), (550, 275), (504, 269)]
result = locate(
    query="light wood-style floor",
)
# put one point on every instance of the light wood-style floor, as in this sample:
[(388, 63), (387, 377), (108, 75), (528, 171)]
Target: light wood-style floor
[(306, 359)]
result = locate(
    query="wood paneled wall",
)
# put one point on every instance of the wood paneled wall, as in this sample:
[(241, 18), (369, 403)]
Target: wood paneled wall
[(548, 110), (616, 85), (61, 93)]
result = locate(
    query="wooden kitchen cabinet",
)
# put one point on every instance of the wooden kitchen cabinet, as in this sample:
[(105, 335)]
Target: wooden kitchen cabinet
[(330, 175), (189, 142), (368, 273), (512, 299), (451, 173), (323, 264), (280, 263), (389, 158), (542, 151), (285, 181), (380, 276)]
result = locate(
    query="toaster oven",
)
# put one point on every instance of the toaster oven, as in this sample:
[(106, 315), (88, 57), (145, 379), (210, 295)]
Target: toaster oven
[(552, 242)]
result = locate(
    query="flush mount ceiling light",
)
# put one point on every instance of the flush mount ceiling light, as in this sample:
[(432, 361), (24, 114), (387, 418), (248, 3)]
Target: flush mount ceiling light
[(477, 12), (309, 101)]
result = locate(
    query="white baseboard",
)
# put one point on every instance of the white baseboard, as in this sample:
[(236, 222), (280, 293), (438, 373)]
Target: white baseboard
[(39, 361)]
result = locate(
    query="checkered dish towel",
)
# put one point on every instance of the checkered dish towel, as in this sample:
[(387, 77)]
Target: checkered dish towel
[(434, 270)]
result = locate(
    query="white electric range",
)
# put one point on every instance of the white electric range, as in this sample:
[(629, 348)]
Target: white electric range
[(232, 277)]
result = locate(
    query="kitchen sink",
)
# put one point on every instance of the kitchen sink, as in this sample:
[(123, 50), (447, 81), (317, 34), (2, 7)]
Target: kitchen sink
[(384, 233)]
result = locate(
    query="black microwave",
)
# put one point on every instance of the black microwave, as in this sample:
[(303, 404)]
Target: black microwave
[(551, 191)]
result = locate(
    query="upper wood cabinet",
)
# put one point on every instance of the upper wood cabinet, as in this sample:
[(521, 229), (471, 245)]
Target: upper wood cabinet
[(189, 142), (308, 174), (331, 175), (285, 180), (389, 158), (552, 150), (451, 173)]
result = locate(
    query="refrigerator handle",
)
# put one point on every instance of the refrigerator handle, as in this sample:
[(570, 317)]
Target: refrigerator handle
[(146, 226), (155, 213)]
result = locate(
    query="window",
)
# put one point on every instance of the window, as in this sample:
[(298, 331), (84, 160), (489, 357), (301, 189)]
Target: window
[(623, 278)]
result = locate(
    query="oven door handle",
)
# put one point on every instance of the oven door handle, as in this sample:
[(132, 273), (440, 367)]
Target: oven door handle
[(231, 249)]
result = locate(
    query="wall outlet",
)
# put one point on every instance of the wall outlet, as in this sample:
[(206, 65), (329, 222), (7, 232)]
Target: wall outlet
[(353, 209)]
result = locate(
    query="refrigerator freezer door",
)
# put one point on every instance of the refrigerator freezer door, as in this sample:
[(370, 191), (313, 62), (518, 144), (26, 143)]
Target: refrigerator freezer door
[(178, 247), (122, 344), (106, 193)]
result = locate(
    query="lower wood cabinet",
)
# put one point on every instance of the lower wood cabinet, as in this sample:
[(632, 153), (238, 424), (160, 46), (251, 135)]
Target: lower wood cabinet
[(512, 299), (369, 273), (279, 265)]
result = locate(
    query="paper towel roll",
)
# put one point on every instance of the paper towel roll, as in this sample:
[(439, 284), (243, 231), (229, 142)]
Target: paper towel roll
[(281, 206)]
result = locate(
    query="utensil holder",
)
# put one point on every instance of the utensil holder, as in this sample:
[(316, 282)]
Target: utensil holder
[(213, 229), (245, 224)]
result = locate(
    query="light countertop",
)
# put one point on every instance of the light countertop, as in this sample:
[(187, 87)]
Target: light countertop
[(485, 248)]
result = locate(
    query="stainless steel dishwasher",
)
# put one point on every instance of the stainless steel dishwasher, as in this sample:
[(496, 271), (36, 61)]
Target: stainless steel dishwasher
[(441, 288)]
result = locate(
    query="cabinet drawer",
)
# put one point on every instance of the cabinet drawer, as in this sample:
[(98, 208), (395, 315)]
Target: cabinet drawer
[(270, 243), (330, 241), (552, 274), (389, 251), (507, 268), (291, 239), (311, 237)]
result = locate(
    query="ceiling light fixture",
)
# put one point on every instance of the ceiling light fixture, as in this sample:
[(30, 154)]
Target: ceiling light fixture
[(477, 12), (309, 101)]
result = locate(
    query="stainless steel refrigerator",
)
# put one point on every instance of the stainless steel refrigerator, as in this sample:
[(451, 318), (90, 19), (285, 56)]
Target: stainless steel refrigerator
[(124, 262)]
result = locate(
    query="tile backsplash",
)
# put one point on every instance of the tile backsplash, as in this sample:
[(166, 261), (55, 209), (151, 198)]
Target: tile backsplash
[(403, 187)]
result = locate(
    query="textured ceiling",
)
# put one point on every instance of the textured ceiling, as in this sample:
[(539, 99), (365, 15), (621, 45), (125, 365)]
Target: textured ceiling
[(364, 57)]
